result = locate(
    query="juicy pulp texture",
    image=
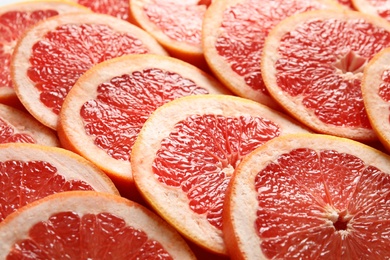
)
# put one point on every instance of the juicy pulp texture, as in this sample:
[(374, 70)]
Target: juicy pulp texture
[(384, 88), (90, 236), (23, 182), (180, 22), (12, 26), (322, 205), (124, 103), (321, 63), (65, 53), (245, 27), (200, 155), (8, 135), (117, 8)]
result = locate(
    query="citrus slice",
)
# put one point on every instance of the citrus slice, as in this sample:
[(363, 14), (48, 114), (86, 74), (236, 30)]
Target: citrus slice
[(313, 65), (375, 89), (21, 127), (176, 26), (29, 172), (309, 196), (53, 54), (14, 20), (89, 225), (117, 8), (233, 37), (375, 7), (105, 110), (186, 152)]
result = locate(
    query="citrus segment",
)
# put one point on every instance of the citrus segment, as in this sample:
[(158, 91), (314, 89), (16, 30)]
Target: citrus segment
[(18, 126), (14, 20), (233, 37), (29, 172), (374, 7), (177, 26), (117, 8), (313, 65), (55, 53), (309, 196), (186, 153), (105, 110), (89, 225), (375, 89)]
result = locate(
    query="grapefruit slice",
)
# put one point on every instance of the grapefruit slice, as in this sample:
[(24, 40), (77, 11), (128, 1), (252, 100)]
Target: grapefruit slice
[(186, 152), (14, 20), (375, 89), (117, 8), (176, 25), (309, 196), (313, 65), (53, 54), (89, 225), (21, 127), (105, 110), (233, 37), (374, 7), (29, 172)]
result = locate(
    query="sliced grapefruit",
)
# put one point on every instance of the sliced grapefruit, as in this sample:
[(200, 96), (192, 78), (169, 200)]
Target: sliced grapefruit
[(376, 91), (186, 152), (117, 8), (14, 20), (176, 25), (20, 127), (233, 37), (53, 54), (313, 65), (379, 8), (309, 196), (105, 110), (89, 225), (29, 172)]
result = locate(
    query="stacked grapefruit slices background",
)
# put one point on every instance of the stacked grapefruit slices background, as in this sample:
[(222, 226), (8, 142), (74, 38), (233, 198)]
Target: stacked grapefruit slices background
[(223, 129)]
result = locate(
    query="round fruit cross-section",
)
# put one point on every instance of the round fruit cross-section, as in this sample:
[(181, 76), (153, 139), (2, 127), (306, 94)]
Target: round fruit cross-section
[(376, 95), (89, 225), (105, 110), (186, 153), (177, 25), (313, 66), (53, 54), (29, 172), (14, 20), (20, 127), (233, 37), (309, 196)]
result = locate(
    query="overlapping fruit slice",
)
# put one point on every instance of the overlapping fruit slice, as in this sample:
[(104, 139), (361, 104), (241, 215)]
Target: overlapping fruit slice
[(105, 110), (376, 95), (233, 37), (117, 8), (309, 196), (186, 153), (29, 172), (375, 7), (89, 225), (17, 126), (313, 66), (14, 20), (53, 54), (177, 25)]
